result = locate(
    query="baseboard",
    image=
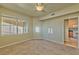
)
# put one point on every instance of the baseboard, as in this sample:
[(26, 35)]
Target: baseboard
[(54, 41), (14, 43), (50, 40)]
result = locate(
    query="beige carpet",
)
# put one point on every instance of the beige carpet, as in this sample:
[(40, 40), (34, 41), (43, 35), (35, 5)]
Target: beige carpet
[(38, 47)]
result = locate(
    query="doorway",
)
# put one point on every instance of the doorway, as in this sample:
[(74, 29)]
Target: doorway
[(71, 32)]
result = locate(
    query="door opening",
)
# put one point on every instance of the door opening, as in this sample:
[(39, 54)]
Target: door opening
[(71, 32)]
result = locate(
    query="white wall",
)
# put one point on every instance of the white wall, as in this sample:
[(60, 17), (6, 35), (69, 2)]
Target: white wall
[(57, 27), (37, 23)]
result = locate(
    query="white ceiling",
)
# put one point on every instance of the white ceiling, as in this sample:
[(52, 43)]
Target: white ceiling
[(29, 8)]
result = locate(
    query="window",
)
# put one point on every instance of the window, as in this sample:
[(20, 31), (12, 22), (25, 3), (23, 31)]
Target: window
[(13, 26), (50, 30), (37, 29), (20, 26), (8, 26)]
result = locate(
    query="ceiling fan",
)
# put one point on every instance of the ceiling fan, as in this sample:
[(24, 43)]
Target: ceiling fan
[(40, 7)]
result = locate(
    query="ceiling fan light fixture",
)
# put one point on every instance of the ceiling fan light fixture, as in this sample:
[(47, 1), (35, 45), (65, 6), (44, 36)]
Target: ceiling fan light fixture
[(39, 7)]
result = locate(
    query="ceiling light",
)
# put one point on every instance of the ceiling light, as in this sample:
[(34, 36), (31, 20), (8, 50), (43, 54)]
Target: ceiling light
[(39, 7)]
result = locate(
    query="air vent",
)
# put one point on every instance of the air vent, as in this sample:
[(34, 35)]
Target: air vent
[(52, 14)]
